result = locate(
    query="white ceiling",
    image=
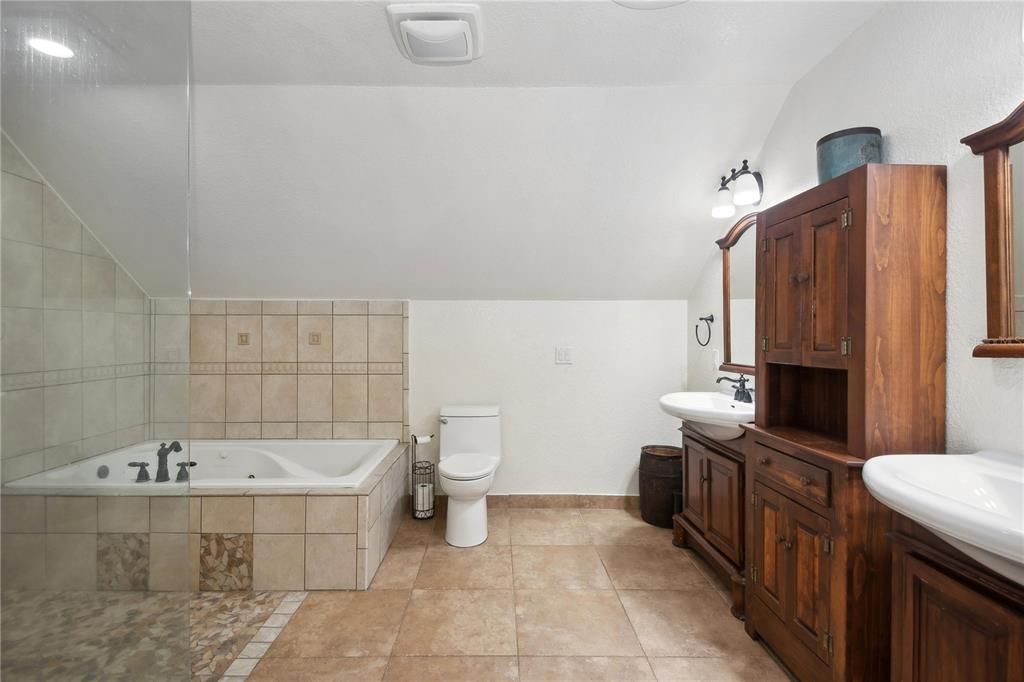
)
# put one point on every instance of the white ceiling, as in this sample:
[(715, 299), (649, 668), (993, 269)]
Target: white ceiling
[(576, 159)]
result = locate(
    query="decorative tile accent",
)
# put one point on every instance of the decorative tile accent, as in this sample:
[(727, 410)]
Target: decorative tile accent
[(258, 646), (122, 561), (223, 625), (225, 561)]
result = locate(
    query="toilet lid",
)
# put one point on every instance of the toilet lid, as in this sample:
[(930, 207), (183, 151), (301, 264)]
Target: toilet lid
[(467, 466)]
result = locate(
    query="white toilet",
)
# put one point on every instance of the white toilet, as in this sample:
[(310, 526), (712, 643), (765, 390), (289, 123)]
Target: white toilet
[(470, 454)]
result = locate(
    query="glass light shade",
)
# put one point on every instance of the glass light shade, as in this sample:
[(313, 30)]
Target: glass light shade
[(747, 192), (724, 207)]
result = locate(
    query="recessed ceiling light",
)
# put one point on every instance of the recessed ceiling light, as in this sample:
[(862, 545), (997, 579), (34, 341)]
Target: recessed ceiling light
[(54, 49)]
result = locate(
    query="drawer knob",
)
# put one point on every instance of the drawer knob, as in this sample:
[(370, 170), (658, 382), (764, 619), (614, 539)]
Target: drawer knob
[(764, 461), (804, 480)]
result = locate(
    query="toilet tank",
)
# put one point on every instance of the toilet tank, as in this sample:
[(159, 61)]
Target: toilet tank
[(470, 428)]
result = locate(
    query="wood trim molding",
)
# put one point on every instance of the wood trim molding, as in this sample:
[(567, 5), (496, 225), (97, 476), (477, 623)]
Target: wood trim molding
[(1006, 133), (737, 230), (1000, 348), (725, 244), (993, 144)]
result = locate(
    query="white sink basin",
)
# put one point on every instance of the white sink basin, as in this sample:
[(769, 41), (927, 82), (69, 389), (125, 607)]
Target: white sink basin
[(974, 502), (715, 415)]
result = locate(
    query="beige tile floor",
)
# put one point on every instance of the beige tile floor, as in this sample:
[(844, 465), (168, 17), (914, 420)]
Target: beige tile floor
[(554, 594)]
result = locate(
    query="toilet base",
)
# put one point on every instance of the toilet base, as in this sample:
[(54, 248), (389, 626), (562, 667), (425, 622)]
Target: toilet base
[(467, 522)]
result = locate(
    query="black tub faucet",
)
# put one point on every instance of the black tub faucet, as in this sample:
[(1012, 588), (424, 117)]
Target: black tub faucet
[(161, 460)]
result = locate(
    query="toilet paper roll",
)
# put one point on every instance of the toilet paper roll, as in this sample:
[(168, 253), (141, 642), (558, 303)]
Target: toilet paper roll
[(420, 440), (424, 496)]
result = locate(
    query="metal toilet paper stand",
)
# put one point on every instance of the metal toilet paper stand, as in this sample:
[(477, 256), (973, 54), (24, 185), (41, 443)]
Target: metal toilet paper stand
[(422, 477)]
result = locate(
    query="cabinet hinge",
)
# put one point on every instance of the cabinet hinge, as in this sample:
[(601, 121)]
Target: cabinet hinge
[(846, 345), (828, 545), (828, 643), (753, 499), (764, 245), (764, 343), (753, 574), (847, 218)]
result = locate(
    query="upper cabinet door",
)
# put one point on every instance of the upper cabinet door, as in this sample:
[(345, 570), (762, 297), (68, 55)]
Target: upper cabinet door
[(825, 270), (784, 285)]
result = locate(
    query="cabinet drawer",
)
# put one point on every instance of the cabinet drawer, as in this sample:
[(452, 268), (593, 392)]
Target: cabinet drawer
[(799, 477)]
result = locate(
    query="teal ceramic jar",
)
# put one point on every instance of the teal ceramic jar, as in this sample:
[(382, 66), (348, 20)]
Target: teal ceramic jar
[(844, 150)]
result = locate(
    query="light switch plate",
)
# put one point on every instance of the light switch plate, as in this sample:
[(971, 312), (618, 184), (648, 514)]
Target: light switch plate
[(563, 355)]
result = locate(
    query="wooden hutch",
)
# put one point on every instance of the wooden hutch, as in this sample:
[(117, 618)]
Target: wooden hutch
[(851, 331)]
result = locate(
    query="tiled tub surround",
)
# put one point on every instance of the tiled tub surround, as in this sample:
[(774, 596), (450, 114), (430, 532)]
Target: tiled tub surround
[(76, 334), (228, 539), (292, 369)]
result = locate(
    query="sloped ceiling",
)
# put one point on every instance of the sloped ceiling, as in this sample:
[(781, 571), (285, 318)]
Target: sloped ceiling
[(576, 159)]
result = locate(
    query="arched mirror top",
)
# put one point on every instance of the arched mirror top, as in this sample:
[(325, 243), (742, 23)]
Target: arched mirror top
[(737, 231)]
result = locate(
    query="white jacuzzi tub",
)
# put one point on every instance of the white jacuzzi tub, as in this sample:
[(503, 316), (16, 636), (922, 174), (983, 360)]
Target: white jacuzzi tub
[(222, 464)]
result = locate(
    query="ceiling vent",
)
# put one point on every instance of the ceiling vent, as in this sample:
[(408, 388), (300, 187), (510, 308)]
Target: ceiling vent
[(444, 33)]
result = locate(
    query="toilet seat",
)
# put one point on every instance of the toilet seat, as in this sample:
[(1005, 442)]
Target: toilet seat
[(467, 466)]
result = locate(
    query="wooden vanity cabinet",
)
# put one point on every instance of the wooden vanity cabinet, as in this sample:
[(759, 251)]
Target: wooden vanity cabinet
[(712, 519), (953, 619), (851, 329)]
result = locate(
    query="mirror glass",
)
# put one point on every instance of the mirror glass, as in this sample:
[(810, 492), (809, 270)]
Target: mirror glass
[(1017, 173), (742, 258)]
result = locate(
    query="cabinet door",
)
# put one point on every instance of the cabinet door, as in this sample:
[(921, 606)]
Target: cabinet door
[(724, 505), (809, 580), (783, 291), (946, 632), (769, 561), (825, 262), (693, 483)]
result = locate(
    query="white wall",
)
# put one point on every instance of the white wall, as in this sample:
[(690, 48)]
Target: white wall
[(705, 299), (567, 428), (927, 75)]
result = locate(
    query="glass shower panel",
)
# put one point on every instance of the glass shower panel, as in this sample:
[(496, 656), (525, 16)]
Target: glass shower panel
[(97, 544)]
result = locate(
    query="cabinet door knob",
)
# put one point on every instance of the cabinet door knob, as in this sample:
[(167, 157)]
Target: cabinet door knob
[(800, 277), (764, 461), (703, 478), (781, 539), (804, 480)]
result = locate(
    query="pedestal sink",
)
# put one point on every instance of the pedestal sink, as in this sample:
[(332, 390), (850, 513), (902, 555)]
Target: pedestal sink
[(715, 415), (974, 502)]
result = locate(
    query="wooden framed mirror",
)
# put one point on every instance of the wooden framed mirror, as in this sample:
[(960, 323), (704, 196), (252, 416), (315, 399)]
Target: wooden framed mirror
[(1002, 148), (739, 254)]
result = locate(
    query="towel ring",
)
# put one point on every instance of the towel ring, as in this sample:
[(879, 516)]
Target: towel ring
[(696, 329)]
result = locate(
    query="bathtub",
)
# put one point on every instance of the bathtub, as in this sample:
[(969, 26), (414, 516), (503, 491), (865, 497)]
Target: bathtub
[(249, 465)]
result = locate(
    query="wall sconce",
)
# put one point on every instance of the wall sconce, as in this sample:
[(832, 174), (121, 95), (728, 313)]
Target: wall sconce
[(748, 190)]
